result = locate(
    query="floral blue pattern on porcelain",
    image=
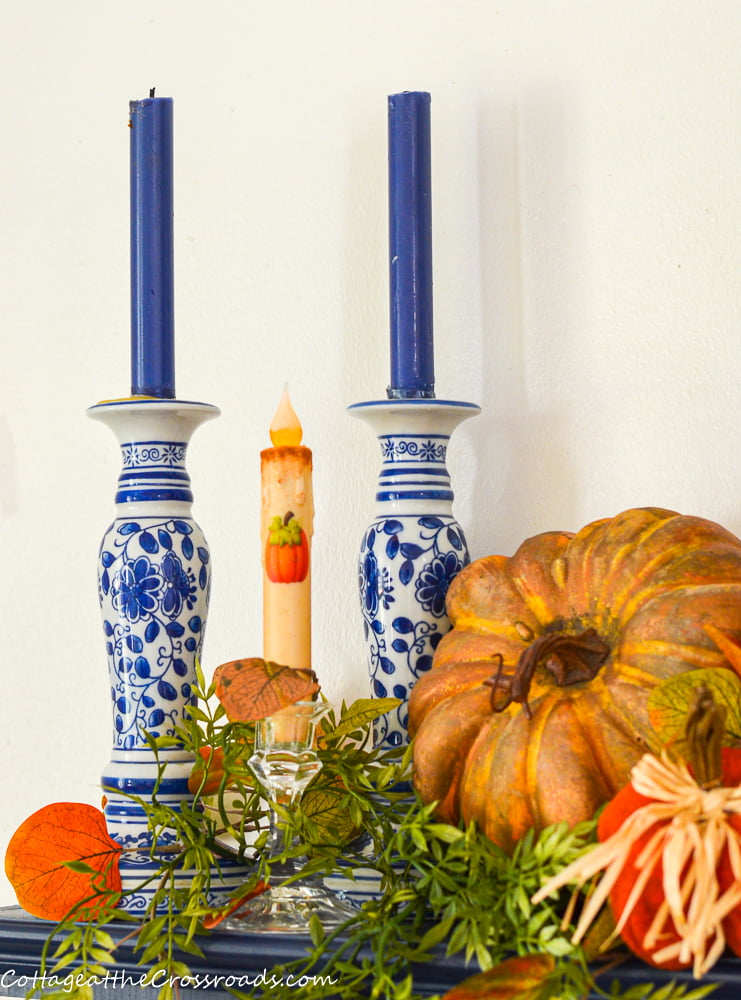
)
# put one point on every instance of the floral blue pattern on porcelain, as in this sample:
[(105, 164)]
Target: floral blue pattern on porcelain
[(402, 591), (153, 584), (411, 551)]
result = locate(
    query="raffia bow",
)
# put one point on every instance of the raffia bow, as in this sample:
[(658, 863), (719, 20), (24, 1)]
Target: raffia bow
[(692, 835)]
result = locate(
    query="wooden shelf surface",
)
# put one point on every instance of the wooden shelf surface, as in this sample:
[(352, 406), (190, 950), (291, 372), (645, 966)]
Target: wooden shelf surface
[(238, 959)]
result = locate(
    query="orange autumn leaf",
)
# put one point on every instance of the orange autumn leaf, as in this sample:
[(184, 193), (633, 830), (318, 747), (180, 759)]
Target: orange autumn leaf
[(208, 771), (253, 689), (729, 647), (40, 850), (525, 977), (216, 918)]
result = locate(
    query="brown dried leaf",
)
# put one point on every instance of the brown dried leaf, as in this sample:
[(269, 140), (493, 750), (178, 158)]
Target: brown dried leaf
[(524, 977), (253, 689)]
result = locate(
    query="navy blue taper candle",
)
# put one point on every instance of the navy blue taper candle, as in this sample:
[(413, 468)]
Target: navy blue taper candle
[(152, 283), (410, 247)]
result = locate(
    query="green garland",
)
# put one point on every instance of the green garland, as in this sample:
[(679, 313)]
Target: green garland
[(444, 889)]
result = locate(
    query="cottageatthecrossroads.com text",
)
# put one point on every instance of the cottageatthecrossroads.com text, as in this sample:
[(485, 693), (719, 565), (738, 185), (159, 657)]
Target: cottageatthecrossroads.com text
[(118, 979)]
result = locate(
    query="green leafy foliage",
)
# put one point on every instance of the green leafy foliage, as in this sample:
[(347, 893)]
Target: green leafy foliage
[(445, 890), (669, 991)]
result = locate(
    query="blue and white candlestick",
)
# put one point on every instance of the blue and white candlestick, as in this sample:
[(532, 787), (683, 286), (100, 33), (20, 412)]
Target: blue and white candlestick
[(154, 580), (412, 549)]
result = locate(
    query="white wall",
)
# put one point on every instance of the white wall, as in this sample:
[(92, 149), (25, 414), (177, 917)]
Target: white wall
[(587, 248)]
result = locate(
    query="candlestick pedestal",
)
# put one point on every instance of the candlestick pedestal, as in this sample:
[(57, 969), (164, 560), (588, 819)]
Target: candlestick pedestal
[(412, 550), (154, 579)]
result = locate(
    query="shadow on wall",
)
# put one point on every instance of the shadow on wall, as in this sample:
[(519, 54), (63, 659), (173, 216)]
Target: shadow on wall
[(524, 478), (518, 477), (9, 465)]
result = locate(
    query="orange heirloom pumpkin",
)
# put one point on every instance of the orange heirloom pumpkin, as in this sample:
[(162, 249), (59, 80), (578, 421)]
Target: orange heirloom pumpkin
[(535, 709)]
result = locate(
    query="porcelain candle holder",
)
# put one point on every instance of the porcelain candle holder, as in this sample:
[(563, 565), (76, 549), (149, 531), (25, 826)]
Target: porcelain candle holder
[(412, 550), (154, 579)]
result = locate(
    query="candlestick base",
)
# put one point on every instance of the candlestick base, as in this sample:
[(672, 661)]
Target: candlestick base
[(289, 906), (412, 550)]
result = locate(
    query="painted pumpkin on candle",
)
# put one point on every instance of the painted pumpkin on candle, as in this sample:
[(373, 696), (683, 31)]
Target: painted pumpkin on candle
[(287, 550)]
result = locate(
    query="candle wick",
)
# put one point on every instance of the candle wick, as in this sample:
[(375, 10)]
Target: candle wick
[(151, 91)]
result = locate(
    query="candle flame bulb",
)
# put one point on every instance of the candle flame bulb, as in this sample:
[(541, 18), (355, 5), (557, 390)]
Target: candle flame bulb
[(285, 430)]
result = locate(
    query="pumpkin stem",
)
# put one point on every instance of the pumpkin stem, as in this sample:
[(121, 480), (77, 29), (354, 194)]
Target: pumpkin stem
[(704, 732), (570, 658)]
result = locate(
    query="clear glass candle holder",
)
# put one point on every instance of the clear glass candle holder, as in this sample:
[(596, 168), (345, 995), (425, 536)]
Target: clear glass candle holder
[(284, 762)]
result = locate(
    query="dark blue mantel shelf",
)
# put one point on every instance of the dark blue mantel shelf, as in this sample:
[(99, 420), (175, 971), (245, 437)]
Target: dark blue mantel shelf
[(238, 959)]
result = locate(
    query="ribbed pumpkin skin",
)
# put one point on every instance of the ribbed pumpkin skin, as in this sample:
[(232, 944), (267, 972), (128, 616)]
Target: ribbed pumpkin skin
[(646, 581)]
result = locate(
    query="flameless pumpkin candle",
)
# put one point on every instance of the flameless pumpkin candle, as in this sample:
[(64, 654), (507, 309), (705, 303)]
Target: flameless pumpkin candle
[(410, 247), (152, 284), (286, 527)]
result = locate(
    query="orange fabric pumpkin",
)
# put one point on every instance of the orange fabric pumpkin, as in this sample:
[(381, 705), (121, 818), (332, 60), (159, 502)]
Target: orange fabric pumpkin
[(535, 708), (669, 852), (645, 908)]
